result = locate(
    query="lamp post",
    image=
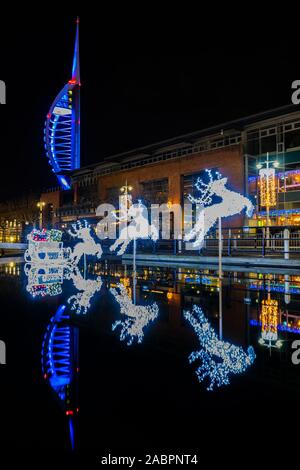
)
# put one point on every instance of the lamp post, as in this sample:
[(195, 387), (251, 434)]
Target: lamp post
[(41, 206), (125, 190), (220, 276), (125, 202), (267, 189)]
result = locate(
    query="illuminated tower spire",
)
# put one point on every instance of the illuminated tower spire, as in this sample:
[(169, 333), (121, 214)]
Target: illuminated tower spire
[(76, 66), (62, 128)]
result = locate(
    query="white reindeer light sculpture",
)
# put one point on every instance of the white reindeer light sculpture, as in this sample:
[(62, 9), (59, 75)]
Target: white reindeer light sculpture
[(88, 246), (138, 227), (232, 203)]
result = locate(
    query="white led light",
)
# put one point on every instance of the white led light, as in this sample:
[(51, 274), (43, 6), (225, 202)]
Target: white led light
[(87, 288), (46, 248), (88, 246), (138, 316), (44, 279), (219, 358), (138, 227), (232, 203)]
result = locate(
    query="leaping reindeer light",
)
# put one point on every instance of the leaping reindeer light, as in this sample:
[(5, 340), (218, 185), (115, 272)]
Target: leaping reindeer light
[(138, 227), (82, 230), (232, 203)]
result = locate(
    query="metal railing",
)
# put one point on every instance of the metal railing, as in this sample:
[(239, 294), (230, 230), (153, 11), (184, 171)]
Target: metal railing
[(245, 241)]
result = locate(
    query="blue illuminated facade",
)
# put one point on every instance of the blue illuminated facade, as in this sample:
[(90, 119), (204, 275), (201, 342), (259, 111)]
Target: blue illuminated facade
[(62, 127)]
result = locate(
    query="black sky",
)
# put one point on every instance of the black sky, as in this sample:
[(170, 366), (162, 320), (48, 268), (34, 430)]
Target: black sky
[(130, 96)]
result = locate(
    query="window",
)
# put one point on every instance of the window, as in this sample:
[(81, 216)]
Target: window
[(156, 191)]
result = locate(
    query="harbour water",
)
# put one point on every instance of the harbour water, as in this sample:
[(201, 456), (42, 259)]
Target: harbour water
[(146, 395)]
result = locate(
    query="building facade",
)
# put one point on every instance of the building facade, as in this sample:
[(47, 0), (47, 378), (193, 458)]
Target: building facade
[(165, 172)]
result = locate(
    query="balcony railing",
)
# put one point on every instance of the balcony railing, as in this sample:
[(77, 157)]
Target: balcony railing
[(84, 209)]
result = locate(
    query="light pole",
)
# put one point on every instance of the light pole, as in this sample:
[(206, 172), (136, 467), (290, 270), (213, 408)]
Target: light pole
[(125, 202), (220, 275), (267, 189), (41, 206), (125, 194)]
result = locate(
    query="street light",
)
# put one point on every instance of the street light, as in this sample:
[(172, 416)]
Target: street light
[(125, 189), (41, 206), (125, 198)]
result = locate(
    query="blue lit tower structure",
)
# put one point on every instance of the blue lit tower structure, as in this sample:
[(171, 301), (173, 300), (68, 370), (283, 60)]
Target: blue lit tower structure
[(62, 127)]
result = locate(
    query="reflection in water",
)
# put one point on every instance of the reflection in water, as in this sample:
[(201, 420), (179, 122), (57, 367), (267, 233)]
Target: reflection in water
[(175, 290), (48, 263), (269, 323), (139, 316), (48, 281), (219, 358), (81, 302), (60, 363), (44, 280)]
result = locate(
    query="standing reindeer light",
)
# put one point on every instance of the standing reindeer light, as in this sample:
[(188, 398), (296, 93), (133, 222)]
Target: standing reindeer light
[(231, 203)]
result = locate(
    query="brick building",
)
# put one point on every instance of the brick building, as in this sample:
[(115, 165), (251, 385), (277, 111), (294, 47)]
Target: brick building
[(166, 171)]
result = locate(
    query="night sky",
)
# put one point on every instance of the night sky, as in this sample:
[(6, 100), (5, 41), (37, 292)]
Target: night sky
[(133, 93)]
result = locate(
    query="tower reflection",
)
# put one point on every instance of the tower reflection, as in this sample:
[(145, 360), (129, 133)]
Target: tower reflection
[(60, 364)]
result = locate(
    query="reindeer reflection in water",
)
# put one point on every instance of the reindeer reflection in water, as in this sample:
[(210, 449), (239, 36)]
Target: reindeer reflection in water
[(232, 203), (81, 301), (138, 316), (139, 227), (87, 288), (219, 358)]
